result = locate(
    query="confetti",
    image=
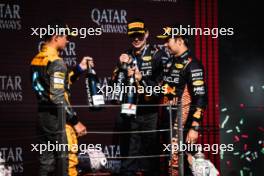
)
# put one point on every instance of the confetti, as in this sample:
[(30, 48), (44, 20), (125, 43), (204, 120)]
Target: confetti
[(251, 89), (225, 121), (229, 131), (248, 159), (221, 154), (253, 156), (256, 154), (245, 147), (261, 129), (236, 138), (241, 121), (236, 153), (244, 136), (262, 150), (242, 156), (242, 105), (228, 163), (240, 138), (223, 109), (248, 153), (241, 173), (237, 128)]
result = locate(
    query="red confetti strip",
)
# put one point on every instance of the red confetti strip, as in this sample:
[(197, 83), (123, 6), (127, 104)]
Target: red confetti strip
[(261, 129), (244, 136), (228, 163), (236, 138), (245, 147), (242, 105)]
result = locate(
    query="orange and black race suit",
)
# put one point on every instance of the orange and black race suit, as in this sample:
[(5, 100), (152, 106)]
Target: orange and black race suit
[(51, 82), (184, 84)]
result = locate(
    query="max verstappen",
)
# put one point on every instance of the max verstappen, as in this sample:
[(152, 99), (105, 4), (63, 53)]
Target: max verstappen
[(147, 69)]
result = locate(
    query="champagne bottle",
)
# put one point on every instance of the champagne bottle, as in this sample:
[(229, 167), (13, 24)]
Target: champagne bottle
[(128, 107), (118, 86), (95, 98)]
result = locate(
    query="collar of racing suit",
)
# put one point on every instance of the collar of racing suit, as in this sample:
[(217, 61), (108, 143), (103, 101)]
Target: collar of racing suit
[(184, 55), (183, 58), (142, 52), (49, 51)]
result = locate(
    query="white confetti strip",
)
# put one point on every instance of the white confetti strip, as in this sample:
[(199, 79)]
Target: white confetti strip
[(229, 131), (251, 89), (223, 109), (225, 121)]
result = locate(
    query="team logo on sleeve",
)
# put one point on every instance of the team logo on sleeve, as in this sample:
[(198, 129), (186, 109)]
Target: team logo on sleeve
[(58, 80), (59, 75), (146, 58), (198, 83), (179, 66)]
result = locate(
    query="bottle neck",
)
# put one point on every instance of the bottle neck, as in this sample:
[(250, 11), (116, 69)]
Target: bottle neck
[(90, 70), (124, 66), (132, 79)]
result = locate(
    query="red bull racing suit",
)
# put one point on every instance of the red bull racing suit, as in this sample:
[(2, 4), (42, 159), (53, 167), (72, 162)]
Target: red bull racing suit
[(150, 65), (184, 84)]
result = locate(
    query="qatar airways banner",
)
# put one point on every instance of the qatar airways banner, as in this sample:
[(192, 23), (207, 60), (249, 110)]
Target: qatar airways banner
[(101, 27)]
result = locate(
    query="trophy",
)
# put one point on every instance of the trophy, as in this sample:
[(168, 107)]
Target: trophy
[(202, 167), (4, 170), (92, 160)]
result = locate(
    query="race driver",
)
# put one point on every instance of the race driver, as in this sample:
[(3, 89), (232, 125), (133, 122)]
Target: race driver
[(146, 65), (185, 87), (51, 81)]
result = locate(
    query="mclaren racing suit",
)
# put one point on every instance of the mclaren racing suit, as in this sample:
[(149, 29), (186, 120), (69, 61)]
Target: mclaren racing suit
[(150, 65), (184, 84), (51, 81)]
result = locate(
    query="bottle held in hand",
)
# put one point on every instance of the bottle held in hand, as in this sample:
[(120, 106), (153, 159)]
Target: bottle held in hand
[(95, 98), (129, 107), (118, 93)]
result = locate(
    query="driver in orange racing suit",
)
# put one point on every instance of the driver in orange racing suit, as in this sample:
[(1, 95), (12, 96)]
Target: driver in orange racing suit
[(51, 81)]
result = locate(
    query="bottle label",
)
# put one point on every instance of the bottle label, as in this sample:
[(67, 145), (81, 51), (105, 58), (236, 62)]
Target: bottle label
[(90, 101), (98, 100), (129, 109)]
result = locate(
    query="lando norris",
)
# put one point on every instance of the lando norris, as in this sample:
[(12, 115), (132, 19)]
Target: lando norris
[(51, 81)]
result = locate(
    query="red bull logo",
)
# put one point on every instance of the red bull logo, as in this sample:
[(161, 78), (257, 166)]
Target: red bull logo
[(169, 90)]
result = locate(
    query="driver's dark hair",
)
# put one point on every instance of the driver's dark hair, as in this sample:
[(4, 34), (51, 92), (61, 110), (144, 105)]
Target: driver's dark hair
[(56, 23)]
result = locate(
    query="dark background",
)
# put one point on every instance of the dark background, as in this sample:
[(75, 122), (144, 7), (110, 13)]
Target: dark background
[(18, 47), (241, 66)]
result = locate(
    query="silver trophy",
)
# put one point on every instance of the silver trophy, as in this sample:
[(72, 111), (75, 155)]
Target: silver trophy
[(93, 160), (4, 170), (202, 167), (2, 165)]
